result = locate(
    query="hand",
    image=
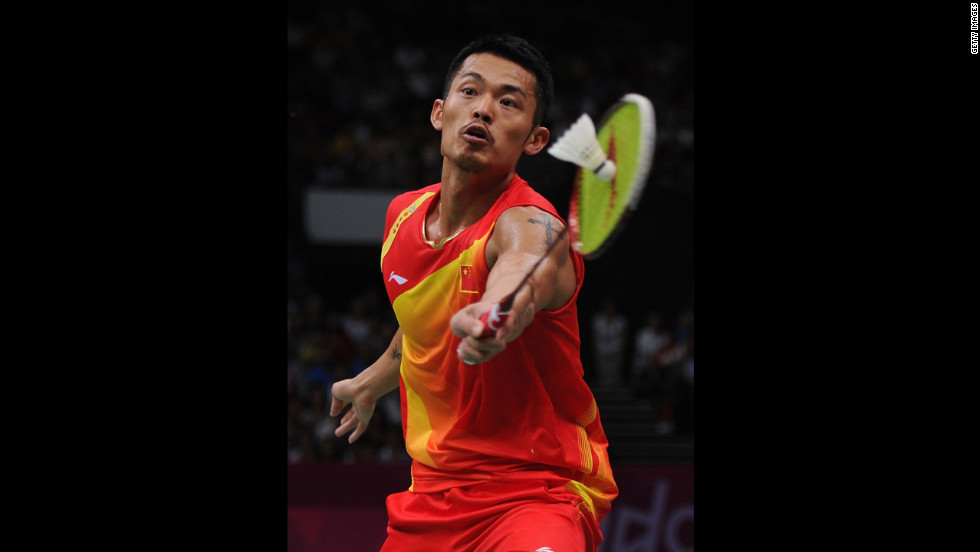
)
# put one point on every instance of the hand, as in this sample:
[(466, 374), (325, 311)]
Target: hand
[(345, 392), (474, 349)]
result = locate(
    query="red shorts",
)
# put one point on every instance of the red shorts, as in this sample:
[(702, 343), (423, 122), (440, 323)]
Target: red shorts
[(491, 517)]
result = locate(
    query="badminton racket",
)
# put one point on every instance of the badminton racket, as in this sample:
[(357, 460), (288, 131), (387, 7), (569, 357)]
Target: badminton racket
[(614, 159)]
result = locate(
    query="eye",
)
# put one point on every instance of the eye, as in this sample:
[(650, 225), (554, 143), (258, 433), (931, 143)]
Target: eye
[(508, 102), (467, 91)]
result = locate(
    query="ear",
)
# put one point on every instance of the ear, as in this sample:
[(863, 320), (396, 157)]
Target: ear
[(537, 140), (436, 116)]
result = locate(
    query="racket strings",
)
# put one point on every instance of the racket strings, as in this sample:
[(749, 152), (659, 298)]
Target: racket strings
[(602, 204)]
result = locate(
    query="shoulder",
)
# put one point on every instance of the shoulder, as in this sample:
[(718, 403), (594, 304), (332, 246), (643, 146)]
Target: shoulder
[(526, 229), (523, 215), (407, 198), (404, 200), (521, 193)]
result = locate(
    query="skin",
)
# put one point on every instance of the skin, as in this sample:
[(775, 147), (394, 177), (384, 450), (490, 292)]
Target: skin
[(486, 121)]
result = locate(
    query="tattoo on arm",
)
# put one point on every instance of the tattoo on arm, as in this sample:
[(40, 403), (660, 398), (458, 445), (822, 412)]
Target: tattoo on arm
[(549, 228), (395, 353)]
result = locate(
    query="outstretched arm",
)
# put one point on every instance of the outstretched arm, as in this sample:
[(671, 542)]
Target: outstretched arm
[(521, 236), (364, 390)]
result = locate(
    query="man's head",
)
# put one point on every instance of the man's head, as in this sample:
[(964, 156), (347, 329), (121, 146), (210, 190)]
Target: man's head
[(519, 51), (497, 94)]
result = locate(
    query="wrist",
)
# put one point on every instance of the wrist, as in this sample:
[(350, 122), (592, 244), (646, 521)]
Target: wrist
[(376, 380)]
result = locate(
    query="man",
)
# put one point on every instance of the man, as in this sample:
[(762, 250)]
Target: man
[(507, 446)]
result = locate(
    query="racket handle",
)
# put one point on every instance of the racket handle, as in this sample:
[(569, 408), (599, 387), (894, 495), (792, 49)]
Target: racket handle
[(492, 320)]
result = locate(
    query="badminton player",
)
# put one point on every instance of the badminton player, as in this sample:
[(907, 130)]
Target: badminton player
[(508, 450)]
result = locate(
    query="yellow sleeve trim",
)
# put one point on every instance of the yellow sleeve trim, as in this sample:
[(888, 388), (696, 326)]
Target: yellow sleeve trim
[(398, 222)]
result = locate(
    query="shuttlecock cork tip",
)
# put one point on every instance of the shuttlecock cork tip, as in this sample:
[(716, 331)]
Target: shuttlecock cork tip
[(606, 171)]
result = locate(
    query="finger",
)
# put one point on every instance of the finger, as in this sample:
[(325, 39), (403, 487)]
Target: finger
[(492, 344), (342, 429), (344, 408), (346, 423), (462, 327), (337, 406), (465, 355), (361, 428), (474, 351), (338, 398), (363, 421), (458, 330)]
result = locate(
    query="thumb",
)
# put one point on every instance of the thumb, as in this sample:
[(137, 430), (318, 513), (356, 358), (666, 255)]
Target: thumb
[(464, 322)]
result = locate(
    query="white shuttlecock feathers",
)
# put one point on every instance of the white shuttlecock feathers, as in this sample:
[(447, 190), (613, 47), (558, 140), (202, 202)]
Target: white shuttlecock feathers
[(579, 145)]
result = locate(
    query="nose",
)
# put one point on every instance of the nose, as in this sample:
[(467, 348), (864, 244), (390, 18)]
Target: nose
[(482, 111)]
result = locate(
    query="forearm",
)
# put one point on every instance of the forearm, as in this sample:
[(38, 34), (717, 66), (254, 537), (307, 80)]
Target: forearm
[(381, 377), (357, 397), (524, 237), (549, 286), (532, 295)]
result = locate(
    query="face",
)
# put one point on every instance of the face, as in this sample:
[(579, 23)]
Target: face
[(487, 118)]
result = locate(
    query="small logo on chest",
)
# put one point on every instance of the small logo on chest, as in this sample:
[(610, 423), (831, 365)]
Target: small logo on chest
[(397, 278)]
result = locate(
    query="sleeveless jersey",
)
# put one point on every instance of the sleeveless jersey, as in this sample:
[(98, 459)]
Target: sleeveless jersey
[(527, 413)]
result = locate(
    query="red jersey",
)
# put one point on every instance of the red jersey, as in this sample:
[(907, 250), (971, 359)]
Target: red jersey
[(527, 413)]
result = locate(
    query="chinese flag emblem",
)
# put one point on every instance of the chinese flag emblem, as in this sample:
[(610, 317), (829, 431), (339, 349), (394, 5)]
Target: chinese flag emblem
[(467, 280)]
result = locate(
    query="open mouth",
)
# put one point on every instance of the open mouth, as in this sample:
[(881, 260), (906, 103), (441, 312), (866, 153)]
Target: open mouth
[(477, 134)]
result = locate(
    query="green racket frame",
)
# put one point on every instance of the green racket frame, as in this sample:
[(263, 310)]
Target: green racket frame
[(599, 210)]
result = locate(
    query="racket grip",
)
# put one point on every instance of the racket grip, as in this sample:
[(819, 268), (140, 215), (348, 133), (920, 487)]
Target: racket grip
[(492, 320)]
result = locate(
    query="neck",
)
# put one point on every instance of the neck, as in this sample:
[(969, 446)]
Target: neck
[(464, 198)]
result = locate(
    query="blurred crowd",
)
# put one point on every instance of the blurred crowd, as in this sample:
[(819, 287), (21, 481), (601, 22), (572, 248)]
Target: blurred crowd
[(361, 84), (652, 358), (326, 344)]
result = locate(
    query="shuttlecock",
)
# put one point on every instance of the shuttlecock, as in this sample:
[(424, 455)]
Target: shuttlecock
[(579, 145)]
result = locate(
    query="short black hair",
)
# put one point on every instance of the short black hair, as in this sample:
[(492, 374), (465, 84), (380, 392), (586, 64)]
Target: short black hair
[(519, 51)]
